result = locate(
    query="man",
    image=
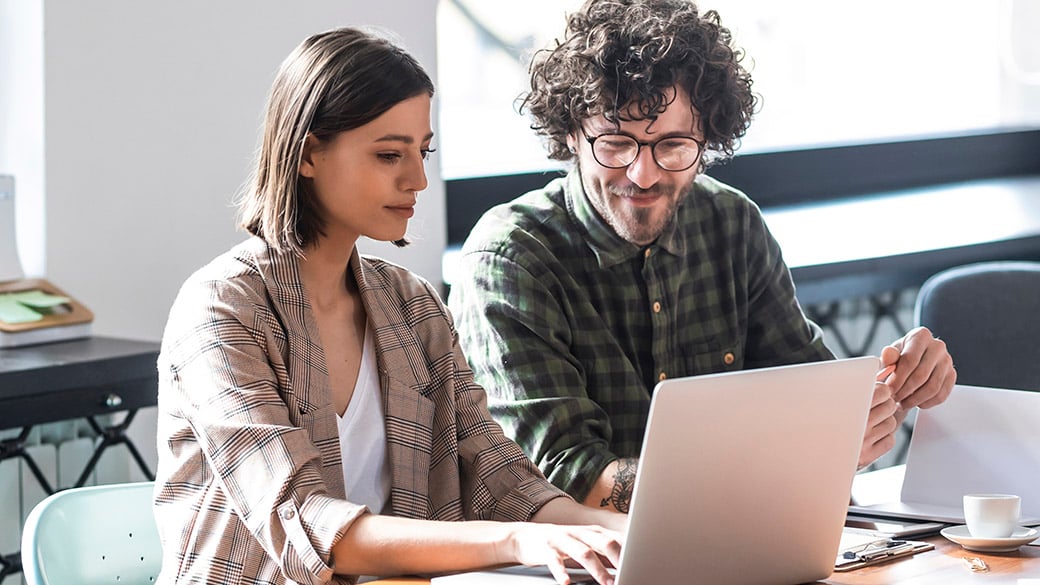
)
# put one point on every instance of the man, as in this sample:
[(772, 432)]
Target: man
[(578, 298)]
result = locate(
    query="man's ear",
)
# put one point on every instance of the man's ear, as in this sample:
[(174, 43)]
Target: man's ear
[(310, 147), (572, 143)]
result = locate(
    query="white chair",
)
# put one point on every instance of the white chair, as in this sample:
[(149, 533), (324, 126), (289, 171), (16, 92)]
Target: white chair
[(92, 535)]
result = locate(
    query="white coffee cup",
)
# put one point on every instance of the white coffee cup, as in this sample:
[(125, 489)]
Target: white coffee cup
[(992, 515)]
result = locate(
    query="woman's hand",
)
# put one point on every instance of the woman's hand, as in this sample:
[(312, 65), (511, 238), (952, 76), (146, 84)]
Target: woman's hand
[(592, 548)]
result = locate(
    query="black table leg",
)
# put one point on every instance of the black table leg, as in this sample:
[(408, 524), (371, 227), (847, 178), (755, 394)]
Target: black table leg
[(113, 435)]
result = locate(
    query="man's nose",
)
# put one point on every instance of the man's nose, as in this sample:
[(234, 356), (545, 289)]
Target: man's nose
[(644, 171)]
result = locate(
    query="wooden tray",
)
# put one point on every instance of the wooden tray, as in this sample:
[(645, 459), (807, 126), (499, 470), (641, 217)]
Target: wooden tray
[(74, 313)]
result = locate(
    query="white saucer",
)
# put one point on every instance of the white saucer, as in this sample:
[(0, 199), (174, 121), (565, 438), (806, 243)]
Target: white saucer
[(961, 536)]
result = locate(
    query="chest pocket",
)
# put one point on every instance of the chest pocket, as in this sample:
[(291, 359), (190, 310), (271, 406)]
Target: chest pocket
[(711, 356)]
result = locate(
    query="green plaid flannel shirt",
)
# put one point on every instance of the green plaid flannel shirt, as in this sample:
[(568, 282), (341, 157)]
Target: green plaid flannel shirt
[(568, 327)]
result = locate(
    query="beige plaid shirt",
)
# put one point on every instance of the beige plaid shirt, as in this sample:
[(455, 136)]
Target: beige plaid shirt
[(249, 485)]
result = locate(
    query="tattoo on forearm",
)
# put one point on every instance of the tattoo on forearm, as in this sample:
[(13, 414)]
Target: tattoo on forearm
[(624, 480)]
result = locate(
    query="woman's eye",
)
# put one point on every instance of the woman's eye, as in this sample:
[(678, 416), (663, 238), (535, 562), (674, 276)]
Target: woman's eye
[(426, 152), (389, 156)]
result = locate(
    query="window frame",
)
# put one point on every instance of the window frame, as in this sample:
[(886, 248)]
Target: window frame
[(803, 176)]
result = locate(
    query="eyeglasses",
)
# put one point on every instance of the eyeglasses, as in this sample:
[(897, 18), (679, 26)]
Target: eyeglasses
[(671, 153)]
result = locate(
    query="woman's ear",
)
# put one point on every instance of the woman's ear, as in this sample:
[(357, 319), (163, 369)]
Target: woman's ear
[(310, 147)]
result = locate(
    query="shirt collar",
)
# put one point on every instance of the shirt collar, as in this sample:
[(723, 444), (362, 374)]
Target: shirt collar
[(611, 249)]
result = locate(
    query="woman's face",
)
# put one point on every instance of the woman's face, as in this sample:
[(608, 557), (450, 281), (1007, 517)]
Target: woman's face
[(366, 180)]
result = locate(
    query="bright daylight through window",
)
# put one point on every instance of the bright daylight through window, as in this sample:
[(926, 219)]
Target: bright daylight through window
[(828, 73)]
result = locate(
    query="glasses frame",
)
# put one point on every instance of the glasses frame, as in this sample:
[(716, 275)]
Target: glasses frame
[(639, 147)]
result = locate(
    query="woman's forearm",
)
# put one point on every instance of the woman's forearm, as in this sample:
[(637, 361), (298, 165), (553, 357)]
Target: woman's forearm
[(388, 545)]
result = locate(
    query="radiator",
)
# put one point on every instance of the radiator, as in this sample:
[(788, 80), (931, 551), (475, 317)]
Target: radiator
[(61, 451)]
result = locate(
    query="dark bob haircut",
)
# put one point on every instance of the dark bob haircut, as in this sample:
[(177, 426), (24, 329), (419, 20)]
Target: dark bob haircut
[(332, 82)]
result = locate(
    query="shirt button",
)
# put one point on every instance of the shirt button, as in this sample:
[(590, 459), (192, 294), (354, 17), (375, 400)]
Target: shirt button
[(729, 358), (662, 376), (288, 514), (657, 307), (646, 253)]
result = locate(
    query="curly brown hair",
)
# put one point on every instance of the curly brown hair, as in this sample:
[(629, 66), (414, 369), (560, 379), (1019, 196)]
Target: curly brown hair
[(619, 53)]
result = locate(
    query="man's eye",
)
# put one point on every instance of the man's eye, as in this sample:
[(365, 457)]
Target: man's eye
[(615, 144)]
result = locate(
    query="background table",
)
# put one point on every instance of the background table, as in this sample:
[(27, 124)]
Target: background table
[(942, 566), (66, 380)]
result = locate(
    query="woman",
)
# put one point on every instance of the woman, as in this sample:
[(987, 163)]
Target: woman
[(317, 418)]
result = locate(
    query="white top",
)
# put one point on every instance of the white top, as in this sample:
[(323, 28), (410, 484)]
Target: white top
[(362, 437)]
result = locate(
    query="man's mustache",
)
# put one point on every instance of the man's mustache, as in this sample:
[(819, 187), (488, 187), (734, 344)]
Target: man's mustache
[(632, 191)]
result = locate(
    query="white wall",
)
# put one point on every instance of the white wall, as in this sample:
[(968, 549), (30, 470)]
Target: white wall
[(152, 113), (21, 123)]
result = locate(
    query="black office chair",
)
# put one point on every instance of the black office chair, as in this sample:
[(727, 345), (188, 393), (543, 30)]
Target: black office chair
[(989, 316)]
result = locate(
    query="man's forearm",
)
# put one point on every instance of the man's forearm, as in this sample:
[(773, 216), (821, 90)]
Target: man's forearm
[(613, 489)]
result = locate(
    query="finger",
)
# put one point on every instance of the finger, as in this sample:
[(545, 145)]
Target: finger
[(605, 542), (884, 426), (928, 382), (559, 572), (610, 547), (922, 393), (884, 373), (579, 549), (920, 353), (882, 394), (890, 354), (946, 388), (935, 366), (880, 419), (870, 452), (900, 415), (879, 436), (607, 545), (916, 377)]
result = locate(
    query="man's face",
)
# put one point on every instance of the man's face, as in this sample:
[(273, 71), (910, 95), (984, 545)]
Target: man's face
[(639, 200)]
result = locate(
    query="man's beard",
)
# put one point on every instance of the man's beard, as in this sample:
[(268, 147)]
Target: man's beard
[(643, 225)]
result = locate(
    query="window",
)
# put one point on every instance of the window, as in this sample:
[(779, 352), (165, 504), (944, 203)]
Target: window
[(829, 73), (483, 48)]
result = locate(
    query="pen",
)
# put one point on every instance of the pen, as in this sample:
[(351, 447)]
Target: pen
[(892, 550), (888, 549)]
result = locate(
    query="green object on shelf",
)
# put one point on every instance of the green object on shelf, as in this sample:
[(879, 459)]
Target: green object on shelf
[(28, 306)]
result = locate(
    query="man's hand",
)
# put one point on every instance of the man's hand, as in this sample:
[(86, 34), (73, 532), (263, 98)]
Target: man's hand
[(916, 370), (882, 423), (922, 370)]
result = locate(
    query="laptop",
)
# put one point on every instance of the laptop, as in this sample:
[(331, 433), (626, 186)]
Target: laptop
[(744, 477), (981, 440)]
